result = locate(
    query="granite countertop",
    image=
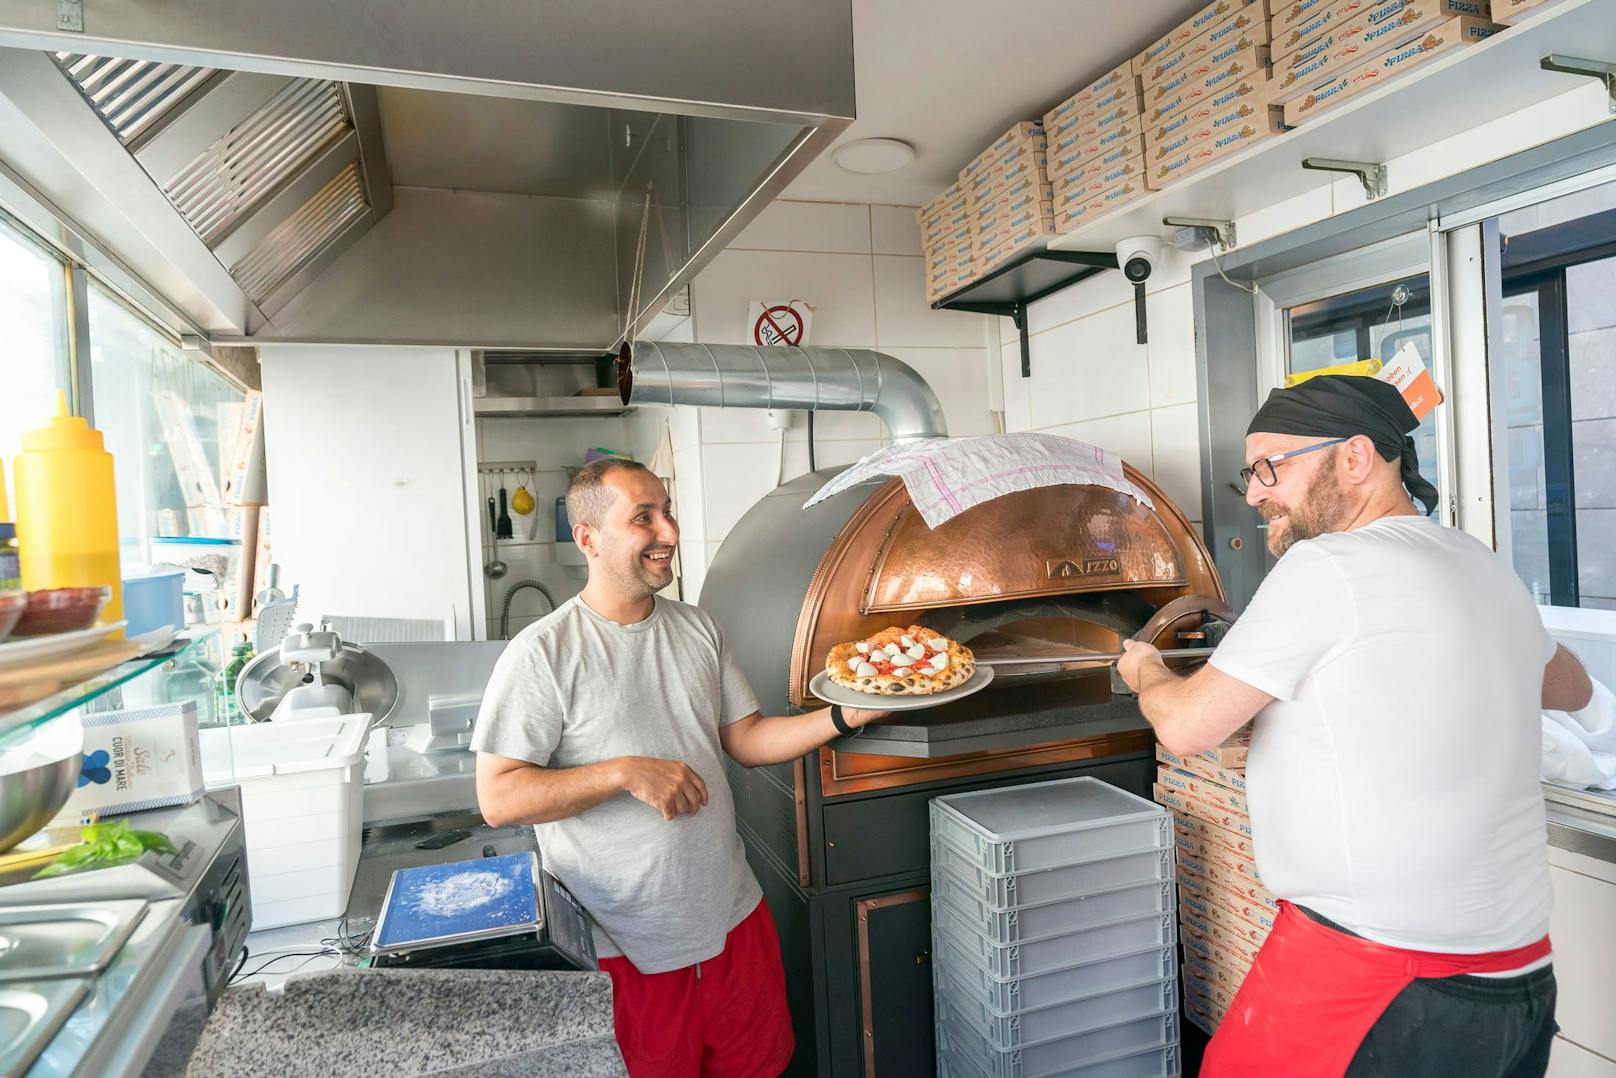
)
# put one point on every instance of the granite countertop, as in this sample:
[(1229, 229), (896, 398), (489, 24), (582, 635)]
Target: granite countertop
[(410, 1022)]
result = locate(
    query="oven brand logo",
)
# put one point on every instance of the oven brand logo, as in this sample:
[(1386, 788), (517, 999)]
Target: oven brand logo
[(1063, 568)]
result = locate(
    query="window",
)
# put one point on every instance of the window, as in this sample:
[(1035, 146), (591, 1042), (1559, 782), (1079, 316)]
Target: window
[(161, 413), (33, 325), (1558, 352), (1370, 323)]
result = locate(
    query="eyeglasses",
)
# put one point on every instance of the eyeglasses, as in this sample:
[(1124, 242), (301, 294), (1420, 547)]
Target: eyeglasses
[(1262, 469)]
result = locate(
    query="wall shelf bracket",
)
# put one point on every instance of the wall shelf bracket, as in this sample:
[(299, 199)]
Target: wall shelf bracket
[(1372, 174), (1602, 70)]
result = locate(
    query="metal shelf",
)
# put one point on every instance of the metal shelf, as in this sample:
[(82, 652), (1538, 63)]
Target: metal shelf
[(550, 407), (1028, 277)]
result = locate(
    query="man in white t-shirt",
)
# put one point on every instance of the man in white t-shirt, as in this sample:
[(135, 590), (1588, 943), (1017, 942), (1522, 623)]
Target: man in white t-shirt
[(1396, 670), (604, 725)]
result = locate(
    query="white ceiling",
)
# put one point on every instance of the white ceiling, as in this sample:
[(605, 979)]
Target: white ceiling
[(947, 76)]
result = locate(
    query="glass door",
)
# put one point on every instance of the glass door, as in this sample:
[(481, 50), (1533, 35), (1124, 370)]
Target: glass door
[(1556, 344)]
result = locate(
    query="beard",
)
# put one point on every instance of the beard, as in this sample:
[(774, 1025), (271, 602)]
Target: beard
[(1317, 511), (635, 577)]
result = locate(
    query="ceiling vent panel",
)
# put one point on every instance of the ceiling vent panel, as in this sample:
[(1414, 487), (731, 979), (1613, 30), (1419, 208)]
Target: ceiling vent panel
[(131, 96), (247, 163), (298, 240)]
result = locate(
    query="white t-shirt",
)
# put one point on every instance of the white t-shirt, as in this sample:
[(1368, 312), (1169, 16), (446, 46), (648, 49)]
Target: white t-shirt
[(1393, 782), (575, 688)]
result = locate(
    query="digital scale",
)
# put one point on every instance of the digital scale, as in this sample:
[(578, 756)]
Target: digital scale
[(487, 913)]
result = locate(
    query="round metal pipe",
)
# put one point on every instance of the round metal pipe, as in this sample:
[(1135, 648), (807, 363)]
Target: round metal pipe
[(816, 379)]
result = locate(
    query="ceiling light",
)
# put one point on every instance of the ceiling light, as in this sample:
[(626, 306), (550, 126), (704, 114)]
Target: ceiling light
[(869, 156)]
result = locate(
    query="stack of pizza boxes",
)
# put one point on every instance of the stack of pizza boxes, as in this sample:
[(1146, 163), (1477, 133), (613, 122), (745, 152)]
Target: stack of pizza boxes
[(1326, 51), (948, 241), (1224, 912), (1007, 189), (1095, 148), (1206, 90)]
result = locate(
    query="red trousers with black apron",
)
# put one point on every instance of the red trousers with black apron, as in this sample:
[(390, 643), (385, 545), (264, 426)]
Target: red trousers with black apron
[(1313, 993)]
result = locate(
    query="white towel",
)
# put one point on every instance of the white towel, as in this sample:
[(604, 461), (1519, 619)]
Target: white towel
[(1579, 747), (946, 476)]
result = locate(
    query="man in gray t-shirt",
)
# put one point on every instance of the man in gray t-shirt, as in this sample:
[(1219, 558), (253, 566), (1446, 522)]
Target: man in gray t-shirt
[(603, 726)]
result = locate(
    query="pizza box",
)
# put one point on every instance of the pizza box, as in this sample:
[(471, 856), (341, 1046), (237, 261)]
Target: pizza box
[(1452, 34), (1238, 949), (1218, 137), (1204, 20), (1119, 154), (1240, 34), (1203, 82), (1099, 205), (1219, 836), (1223, 776), (1028, 131), (1206, 811), (1369, 33), (1076, 135), (1114, 138), (1190, 783), (1074, 195), (1121, 75), (1124, 95), (1232, 753)]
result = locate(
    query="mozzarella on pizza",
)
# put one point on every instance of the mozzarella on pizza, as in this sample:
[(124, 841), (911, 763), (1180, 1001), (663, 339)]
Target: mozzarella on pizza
[(901, 662)]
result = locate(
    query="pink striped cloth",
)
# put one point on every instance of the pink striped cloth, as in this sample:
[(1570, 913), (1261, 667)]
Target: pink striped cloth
[(946, 476)]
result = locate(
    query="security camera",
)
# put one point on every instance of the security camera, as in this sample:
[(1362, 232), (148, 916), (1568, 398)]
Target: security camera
[(1138, 256)]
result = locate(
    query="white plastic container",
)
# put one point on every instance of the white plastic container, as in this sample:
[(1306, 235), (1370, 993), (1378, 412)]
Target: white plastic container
[(302, 796)]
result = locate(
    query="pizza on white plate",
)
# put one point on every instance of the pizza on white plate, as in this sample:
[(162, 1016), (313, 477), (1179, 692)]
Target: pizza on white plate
[(901, 662)]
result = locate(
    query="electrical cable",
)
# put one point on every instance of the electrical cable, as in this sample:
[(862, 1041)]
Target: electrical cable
[(812, 467), (307, 956), (1213, 251)]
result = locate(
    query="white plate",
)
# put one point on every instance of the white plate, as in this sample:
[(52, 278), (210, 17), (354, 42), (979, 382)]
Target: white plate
[(827, 690), (34, 649)]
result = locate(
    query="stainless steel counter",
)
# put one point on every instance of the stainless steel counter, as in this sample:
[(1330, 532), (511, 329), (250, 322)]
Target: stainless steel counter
[(1582, 821)]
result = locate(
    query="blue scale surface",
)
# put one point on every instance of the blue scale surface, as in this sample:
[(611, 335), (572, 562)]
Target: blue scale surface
[(481, 898)]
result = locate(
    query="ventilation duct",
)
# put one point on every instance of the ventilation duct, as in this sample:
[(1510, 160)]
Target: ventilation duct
[(131, 96), (817, 379)]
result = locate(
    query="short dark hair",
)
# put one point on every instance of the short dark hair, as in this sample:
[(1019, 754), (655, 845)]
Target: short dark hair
[(587, 496)]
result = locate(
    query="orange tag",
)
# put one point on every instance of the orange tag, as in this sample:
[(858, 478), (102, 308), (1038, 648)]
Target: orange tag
[(1407, 372)]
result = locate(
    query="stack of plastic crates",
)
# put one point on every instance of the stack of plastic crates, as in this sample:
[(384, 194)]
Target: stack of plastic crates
[(1053, 931)]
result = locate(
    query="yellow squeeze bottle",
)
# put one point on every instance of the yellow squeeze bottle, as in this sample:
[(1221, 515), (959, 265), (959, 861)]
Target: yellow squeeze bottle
[(67, 515)]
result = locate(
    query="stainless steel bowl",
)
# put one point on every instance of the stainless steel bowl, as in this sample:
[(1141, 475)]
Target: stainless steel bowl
[(30, 797)]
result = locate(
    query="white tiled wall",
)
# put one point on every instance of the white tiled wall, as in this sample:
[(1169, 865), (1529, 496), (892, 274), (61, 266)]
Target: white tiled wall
[(1090, 379), (860, 268)]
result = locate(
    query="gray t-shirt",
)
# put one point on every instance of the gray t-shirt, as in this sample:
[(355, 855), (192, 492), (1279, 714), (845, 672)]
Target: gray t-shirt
[(575, 688)]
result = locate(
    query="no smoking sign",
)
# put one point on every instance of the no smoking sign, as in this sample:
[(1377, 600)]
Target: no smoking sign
[(780, 323)]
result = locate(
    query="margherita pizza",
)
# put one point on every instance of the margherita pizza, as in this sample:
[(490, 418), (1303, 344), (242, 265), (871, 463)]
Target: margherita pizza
[(901, 662)]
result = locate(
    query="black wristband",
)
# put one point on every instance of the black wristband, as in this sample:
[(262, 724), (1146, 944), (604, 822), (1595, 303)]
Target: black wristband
[(840, 723)]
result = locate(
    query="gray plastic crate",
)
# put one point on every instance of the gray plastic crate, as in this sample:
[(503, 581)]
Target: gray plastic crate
[(1052, 884), (1057, 952), (1005, 1032), (1008, 996), (1078, 1053), (1156, 1063), (1011, 829), (1031, 923)]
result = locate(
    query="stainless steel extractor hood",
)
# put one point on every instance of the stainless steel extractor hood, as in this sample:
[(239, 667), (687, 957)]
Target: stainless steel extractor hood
[(540, 177)]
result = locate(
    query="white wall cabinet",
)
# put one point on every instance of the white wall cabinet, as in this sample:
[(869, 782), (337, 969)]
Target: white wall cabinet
[(370, 453), (1584, 933)]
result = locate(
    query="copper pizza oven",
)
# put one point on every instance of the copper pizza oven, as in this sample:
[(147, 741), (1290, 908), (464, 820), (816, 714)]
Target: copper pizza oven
[(1059, 569), (1052, 572)]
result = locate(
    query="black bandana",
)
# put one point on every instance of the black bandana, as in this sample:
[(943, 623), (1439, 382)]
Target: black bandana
[(1344, 405)]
